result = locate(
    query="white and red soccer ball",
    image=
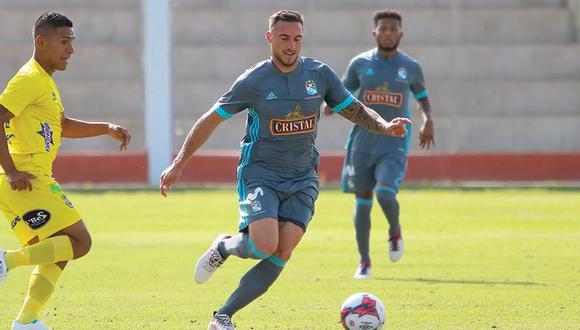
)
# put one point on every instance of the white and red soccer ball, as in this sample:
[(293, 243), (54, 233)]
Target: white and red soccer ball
[(362, 311)]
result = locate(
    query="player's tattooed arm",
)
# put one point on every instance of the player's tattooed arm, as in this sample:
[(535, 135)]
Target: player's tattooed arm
[(368, 119)]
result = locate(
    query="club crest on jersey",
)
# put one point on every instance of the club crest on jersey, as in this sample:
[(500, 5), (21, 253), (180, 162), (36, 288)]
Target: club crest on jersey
[(381, 95), (46, 133), (294, 123), (310, 86), (402, 74)]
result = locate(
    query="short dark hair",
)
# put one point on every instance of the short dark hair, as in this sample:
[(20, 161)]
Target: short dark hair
[(286, 16), (387, 13), (50, 20)]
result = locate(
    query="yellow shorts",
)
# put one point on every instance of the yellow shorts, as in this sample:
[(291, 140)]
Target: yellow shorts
[(38, 213)]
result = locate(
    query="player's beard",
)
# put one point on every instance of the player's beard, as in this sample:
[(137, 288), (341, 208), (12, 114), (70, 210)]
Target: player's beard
[(388, 49), (281, 61)]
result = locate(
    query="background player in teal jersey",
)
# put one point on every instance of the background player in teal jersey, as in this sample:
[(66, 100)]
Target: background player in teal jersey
[(277, 177), (385, 77)]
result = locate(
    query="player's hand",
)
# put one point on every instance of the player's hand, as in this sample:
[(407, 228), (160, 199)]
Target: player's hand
[(168, 178), (327, 110), (20, 180), (397, 127), (427, 134), (120, 134)]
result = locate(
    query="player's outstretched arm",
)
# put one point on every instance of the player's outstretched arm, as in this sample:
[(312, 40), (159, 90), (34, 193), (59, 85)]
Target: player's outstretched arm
[(368, 119), (199, 133), (18, 180), (75, 128)]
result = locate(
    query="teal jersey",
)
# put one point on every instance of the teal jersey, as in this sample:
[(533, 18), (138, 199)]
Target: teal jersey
[(385, 85), (283, 113)]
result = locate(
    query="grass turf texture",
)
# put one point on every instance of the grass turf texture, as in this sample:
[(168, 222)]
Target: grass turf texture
[(506, 259)]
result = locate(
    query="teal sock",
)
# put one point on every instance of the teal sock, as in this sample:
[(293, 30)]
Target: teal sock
[(362, 225), (253, 284), (390, 207)]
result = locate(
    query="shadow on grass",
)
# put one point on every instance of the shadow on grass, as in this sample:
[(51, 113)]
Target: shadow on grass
[(476, 282)]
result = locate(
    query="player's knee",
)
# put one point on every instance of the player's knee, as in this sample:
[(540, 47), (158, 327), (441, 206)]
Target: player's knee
[(386, 198), (365, 195), (266, 246), (283, 253)]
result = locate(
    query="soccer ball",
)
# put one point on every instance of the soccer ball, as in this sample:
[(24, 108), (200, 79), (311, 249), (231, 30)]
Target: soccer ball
[(362, 311)]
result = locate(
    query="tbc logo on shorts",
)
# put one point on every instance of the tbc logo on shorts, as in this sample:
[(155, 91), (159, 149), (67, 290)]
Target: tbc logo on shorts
[(256, 205), (36, 218), (15, 222)]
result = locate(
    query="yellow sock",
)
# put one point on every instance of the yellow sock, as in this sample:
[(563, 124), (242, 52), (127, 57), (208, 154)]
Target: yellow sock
[(48, 251), (42, 283)]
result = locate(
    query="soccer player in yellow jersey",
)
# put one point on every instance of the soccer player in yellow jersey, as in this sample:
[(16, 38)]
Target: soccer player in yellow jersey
[(38, 211)]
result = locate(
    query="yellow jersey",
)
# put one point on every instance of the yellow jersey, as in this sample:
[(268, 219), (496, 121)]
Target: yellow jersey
[(33, 134)]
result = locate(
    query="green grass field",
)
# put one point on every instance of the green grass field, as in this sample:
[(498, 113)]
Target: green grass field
[(485, 259)]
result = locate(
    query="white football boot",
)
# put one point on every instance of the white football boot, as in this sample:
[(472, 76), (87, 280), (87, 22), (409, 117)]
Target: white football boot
[(3, 267), (220, 322), (363, 271), (209, 261), (396, 246), (35, 325)]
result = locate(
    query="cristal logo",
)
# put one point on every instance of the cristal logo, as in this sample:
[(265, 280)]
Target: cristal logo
[(291, 127), (384, 98), (295, 123)]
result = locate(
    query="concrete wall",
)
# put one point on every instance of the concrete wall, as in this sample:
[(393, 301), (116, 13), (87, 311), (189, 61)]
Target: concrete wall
[(504, 75)]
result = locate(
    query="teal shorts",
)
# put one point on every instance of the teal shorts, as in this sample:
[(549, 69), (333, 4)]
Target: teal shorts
[(282, 201)]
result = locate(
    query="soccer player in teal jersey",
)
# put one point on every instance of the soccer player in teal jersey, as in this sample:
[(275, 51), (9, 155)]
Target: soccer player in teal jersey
[(277, 176), (385, 78)]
